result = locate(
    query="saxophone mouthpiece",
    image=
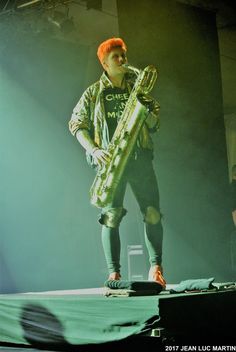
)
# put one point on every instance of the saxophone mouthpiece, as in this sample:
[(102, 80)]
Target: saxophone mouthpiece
[(131, 68)]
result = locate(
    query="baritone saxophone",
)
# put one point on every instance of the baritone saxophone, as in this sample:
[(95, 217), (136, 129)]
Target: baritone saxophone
[(107, 179)]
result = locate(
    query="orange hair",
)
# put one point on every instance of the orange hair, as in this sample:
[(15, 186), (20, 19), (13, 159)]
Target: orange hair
[(106, 46)]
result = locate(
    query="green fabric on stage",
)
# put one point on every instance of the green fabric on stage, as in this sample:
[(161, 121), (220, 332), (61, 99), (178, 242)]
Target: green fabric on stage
[(73, 319)]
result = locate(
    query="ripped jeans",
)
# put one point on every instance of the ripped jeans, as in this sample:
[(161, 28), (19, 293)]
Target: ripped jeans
[(140, 174)]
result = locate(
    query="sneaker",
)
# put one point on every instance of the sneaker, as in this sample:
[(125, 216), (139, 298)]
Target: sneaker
[(156, 274), (114, 276)]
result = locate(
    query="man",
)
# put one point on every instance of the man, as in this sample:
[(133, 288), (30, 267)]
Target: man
[(93, 122)]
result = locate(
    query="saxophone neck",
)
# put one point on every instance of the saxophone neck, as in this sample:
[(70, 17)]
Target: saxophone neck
[(132, 69)]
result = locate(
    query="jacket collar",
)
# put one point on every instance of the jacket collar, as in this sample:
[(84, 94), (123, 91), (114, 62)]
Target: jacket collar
[(106, 82)]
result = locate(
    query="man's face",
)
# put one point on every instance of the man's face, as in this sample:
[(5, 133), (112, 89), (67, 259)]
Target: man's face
[(113, 61)]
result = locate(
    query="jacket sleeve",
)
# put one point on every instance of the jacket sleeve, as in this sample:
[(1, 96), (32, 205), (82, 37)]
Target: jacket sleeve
[(80, 118), (153, 119)]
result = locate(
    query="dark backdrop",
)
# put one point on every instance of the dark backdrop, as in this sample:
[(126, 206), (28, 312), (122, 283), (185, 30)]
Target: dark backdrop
[(191, 160)]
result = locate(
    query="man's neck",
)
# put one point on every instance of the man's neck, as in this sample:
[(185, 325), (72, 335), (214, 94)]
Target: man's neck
[(118, 81)]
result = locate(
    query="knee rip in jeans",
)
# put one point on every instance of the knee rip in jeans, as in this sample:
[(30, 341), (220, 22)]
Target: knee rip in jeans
[(152, 216), (112, 217)]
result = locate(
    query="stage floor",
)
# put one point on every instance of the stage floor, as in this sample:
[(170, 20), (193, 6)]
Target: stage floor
[(86, 320)]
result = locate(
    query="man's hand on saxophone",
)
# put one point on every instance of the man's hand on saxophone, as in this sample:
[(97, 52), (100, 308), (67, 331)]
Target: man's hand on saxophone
[(100, 156), (147, 101), (153, 108)]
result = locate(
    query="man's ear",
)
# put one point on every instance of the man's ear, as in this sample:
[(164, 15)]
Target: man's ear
[(104, 65)]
